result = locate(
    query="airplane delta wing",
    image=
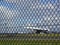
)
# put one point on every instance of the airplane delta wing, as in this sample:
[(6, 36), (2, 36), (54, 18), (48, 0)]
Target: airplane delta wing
[(38, 30)]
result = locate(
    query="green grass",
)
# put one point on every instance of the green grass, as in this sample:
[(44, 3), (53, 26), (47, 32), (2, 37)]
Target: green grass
[(32, 35), (29, 42)]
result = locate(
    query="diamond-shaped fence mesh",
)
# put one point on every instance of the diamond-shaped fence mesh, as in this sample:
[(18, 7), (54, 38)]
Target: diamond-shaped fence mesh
[(21, 20)]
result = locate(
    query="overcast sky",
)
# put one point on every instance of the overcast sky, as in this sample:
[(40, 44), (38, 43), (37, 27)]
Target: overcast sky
[(39, 13)]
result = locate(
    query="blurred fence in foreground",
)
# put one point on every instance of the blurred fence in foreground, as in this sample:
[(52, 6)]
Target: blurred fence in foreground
[(30, 39)]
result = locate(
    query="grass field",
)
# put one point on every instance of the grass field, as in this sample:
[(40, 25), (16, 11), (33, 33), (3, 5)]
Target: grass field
[(31, 42)]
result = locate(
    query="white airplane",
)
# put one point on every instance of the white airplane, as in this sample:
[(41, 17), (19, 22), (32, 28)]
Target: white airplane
[(38, 30)]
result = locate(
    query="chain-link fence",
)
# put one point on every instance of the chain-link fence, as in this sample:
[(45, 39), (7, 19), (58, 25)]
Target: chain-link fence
[(23, 19)]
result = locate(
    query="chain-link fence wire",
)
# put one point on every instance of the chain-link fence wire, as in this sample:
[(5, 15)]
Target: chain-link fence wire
[(19, 18), (30, 39)]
